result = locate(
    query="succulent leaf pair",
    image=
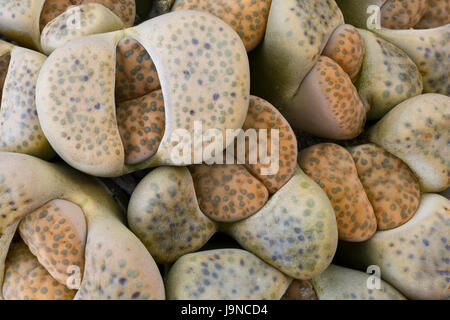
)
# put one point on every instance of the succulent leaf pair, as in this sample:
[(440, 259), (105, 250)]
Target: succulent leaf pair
[(411, 155), (197, 61), (309, 75), (368, 187), (66, 221)]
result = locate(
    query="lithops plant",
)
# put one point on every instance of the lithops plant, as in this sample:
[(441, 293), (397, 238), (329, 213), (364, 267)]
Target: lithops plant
[(333, 169), (392, 188), (71, 229), (66, 222), (388, 76), (286, 55), (172, 72), (20, 130), (47, 24), (174, 211), (164, 215), (248, 18), (417, 131), (224, 274), (368, 187), (294, 68), (339, 283), (413, 257), (312, 84)]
